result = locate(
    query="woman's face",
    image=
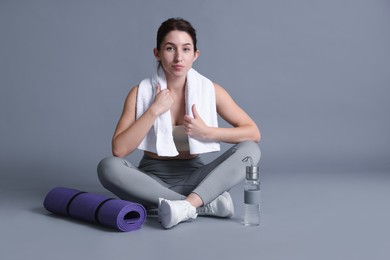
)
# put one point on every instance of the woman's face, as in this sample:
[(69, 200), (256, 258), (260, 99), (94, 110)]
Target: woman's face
[(176, 53)]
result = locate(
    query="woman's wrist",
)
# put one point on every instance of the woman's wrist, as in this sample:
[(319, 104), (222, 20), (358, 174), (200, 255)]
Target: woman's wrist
[(212, 134), (152, 112)]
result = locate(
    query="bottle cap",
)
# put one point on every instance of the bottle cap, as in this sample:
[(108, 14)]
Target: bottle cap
[(252, 172)]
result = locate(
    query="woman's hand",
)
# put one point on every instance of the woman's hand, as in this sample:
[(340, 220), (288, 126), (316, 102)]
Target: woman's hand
[(162, 102), (195, 127)]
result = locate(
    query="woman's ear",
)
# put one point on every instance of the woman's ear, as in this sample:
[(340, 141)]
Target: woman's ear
[(156, 54), (197, 54)]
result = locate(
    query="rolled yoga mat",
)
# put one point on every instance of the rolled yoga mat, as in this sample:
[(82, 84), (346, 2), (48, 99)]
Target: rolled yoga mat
[(120, 214)]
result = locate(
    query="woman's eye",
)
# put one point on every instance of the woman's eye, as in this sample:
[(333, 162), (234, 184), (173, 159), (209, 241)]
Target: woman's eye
[(187, 49), (170, 49)]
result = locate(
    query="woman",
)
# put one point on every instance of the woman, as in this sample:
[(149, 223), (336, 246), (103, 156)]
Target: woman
[(175, 179)]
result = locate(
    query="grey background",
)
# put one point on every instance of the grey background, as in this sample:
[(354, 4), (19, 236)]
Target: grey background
[(313, 74)]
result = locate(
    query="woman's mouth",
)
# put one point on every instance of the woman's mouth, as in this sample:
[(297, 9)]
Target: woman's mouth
[(178, 67)]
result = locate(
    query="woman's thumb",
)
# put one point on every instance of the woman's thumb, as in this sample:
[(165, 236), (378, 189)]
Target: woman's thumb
[(158, 88), (194, 111)]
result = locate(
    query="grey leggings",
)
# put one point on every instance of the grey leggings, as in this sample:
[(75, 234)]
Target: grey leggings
[(175, 179)]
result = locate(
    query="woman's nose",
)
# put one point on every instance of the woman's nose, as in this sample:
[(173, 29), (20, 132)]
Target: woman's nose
[(178, 56)]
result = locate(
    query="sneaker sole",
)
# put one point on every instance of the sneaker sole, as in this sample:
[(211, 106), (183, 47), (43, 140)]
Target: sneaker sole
[(165, 214)]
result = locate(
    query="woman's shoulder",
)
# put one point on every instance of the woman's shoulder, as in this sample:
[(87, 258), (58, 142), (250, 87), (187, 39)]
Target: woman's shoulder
[(222, 96), (216, 85), (132, 95), (133, 90), (219, 89)]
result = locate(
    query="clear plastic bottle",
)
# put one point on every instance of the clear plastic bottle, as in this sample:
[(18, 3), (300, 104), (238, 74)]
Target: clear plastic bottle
[(251, 195)]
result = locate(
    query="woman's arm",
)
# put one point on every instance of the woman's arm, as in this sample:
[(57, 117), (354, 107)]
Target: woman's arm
[(130, 132), (244, 128)]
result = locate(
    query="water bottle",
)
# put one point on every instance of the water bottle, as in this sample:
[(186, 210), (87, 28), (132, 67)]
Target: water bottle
[(251, 194)]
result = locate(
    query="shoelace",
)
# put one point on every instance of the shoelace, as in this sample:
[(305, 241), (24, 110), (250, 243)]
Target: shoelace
[(188, 210), (206, 209)]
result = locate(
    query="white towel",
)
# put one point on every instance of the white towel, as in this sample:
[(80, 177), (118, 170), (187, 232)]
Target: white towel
[(199, 91)]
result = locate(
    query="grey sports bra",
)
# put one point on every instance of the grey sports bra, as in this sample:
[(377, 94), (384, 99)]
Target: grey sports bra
[(180, 138)]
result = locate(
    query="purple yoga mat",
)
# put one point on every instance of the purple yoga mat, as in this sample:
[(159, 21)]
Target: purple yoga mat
[(120, 214)]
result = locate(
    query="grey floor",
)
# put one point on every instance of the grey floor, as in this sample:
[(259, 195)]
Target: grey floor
[(319, 215)]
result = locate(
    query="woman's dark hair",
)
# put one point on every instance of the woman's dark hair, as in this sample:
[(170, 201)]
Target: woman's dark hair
[(178, 24)]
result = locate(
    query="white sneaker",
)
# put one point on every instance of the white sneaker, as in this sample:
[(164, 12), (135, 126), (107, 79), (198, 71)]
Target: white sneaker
[(172, 212), (222, 206)]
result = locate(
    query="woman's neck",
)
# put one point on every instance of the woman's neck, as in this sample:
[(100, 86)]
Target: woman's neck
[(175, 84)]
